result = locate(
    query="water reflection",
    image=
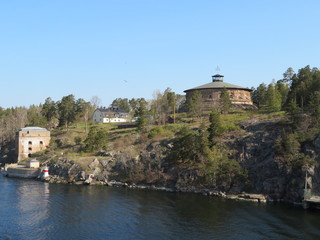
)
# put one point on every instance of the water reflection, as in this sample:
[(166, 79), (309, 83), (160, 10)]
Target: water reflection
[(36, 210)]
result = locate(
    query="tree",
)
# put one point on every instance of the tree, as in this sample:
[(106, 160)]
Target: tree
[(49, 111), (141, 114), (224, 101), (215, 128), (283, 89), (97, 139), (67, 110), (195, 105), (171, 98), (83, 111), (259, 95), (159, 107), (273, 98), (314, 108), (163, 105), (185, 147), (12, 119), (287, 76), (95, 101), (34, 116), (121, 103)]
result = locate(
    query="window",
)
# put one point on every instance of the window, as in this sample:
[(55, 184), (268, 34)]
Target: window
[(41, 143), (30, 149), (30, 143), (29, 155)]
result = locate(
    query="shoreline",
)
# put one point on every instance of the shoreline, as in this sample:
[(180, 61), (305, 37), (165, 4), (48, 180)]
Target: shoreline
[(250, 197), (246, 197)]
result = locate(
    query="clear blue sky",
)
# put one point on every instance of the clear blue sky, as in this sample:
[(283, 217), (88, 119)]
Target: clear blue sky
[(130, 48)]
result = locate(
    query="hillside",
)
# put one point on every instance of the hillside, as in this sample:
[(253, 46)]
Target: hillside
[(247, 156)]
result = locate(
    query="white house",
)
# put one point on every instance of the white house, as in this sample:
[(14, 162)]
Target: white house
[(110, 115)]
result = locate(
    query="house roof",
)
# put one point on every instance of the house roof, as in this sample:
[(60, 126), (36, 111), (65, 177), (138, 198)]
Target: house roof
[(218, 85), (34, 129)]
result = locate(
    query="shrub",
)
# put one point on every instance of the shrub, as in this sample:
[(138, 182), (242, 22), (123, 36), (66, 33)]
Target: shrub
[(97, 139), (77, 140)]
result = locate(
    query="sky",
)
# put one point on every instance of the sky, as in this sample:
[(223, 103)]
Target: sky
[(132, 48)]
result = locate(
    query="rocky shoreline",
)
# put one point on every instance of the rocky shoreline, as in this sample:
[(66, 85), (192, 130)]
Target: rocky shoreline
[(89, 179), (258, 198)]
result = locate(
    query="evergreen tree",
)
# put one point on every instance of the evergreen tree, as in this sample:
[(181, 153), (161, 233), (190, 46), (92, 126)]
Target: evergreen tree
[(97, 139), (171, 99), (273, 99), (215, 128), (195, 105), (224, 101), (49, 111), (314, 108), (259, 95), (141, 114), (67, 110), (283, 89), (287, 76)]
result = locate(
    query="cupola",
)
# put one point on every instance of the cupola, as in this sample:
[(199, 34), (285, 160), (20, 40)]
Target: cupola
[(217, 78)]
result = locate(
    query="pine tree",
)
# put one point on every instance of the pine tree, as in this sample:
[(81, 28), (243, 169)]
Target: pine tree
[(67, 110), (97, 139), (215, 128), (195, 106), (224, 101), (273, 99), (49, 110), (141, 114)]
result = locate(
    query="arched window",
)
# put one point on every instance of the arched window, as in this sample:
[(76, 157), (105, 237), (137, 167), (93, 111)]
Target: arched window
[(30, 143)]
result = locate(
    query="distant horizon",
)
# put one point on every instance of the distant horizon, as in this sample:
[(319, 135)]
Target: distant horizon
[(130, 49)]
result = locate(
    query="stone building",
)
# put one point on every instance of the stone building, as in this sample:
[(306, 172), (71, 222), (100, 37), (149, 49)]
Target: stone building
[(110, 115), (30, 140), (239, 96)]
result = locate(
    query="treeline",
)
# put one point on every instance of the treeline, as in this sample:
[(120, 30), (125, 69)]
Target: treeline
[(298, 94), (50, 114), (158, 110), (294, 90)]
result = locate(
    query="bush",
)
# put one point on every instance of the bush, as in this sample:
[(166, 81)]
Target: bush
[(161, 131), (77, 140), (97, 139)]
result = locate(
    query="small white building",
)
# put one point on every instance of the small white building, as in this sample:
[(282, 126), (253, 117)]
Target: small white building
[(110, 115), (33, 163)]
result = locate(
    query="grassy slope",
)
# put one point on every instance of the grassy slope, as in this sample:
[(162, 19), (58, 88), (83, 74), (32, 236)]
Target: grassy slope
[(63, 142)]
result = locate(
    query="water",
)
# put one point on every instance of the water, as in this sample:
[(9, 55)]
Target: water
[(36, 210)]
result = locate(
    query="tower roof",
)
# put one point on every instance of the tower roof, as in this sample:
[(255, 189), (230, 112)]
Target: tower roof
[(218, 83), (33, 129)]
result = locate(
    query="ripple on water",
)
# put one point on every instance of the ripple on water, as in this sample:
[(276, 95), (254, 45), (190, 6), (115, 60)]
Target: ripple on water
[(36, 210)]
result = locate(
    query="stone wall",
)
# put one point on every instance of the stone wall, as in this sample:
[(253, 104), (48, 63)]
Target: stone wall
[(211, 96), (28, 142)]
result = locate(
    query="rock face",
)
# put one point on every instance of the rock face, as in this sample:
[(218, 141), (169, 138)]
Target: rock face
[(268, 175), (254, 149), (65, 170)]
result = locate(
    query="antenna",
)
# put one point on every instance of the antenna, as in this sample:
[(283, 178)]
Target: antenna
[(217, 69)]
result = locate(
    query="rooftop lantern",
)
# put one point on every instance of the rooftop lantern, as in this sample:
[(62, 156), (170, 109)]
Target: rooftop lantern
[(217, 78)]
